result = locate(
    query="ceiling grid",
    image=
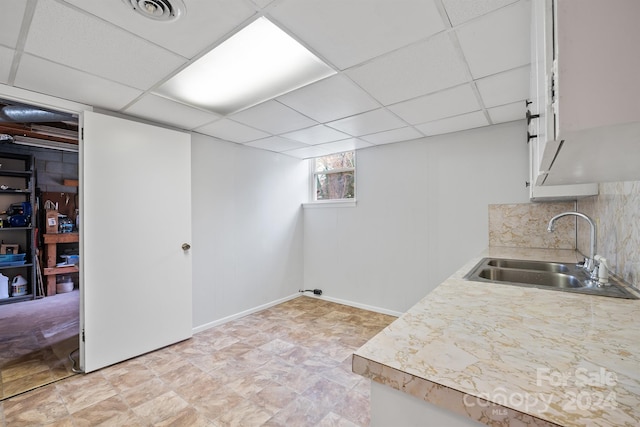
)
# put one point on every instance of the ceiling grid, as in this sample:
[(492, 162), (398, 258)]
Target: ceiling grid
[(405, 69)]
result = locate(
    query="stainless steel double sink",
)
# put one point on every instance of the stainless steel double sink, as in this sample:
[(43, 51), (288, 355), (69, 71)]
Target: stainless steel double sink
[(544, 275)]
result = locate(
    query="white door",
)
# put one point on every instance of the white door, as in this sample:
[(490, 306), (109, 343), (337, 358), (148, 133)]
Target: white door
[(135, 189)]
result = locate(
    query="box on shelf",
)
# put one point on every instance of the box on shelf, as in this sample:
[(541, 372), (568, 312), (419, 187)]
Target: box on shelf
[(52, 221), (8, 248)]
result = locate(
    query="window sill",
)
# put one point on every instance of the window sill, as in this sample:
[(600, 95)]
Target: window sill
[(330, 204)]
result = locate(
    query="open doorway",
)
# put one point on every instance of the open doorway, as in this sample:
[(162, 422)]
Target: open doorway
[(121, 319), (39, 321)]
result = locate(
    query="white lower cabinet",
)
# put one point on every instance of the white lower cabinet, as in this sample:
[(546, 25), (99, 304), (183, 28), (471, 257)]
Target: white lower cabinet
[(390, 407)]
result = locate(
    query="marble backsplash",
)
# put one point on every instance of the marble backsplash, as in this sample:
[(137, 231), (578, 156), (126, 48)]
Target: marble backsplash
[(616, 212), (524, 225)]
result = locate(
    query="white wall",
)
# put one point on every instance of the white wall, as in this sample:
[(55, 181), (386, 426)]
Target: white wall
[(247, 228), (421, 213)]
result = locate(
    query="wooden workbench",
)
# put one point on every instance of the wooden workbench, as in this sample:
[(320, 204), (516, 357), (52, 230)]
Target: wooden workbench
[(51, 255)]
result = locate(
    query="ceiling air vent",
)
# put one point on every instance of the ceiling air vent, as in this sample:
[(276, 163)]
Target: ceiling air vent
[(158, 10)]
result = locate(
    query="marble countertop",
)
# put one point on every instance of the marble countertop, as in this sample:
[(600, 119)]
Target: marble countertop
[(495, 352)]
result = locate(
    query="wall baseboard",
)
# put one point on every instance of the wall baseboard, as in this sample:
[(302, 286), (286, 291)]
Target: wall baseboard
[(243, 313), (358, 305)]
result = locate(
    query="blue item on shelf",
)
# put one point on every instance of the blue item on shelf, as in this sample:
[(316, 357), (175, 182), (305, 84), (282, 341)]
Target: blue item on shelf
[(12, 263), (65, 225), (12, 257), (19, 220), (20, 214), (12, 260)]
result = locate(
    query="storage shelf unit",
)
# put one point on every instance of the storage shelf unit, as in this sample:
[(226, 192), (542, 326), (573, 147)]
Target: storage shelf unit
[(16, 173)]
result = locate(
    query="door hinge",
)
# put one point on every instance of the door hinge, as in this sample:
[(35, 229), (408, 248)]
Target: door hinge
[(83, 335), (554, 81), (82, 134)]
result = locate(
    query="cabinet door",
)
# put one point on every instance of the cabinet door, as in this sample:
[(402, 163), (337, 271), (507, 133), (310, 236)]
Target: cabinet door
[(540, 88), (598, 64), (597, 113), (136, 214), (543, 104)]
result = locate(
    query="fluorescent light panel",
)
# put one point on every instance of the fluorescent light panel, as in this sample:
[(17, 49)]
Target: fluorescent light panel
[(256, 64)]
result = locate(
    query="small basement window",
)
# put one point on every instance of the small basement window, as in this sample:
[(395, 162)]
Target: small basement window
[(334, 176)]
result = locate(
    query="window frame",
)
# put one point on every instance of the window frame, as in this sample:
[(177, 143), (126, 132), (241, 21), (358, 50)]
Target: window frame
[(313, 183)]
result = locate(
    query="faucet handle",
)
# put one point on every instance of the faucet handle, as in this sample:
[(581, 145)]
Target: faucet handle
[(603, 270)]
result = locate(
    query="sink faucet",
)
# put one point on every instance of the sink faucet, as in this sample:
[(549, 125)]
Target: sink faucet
[(589, 263)]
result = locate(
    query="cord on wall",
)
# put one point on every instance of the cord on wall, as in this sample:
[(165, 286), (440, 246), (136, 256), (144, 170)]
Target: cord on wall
[(315, 291)]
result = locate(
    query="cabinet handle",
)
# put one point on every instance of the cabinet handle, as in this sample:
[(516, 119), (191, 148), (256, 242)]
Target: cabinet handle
[(531, 116), (530, 137), (186, 246), (527, 184), (527, 103)]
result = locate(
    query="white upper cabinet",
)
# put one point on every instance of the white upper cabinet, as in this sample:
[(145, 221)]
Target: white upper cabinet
[(540, 113), (586, 88)]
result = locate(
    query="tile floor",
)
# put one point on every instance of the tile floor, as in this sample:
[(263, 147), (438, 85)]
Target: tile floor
[(289, 365), (36, 338)]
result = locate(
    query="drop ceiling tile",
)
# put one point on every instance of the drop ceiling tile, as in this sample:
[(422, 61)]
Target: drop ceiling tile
[(345, 145), (308, 152), (419, 69), (273, 117), (6, 59), (164, 110), (12, 16), (64, 35), (497, 41), (277, 144), (390, 136), (450, 102), (454, 124), (507, 113), (370, 122), (504, 88), (262, 3), (348, 33), (203, 24), (68, 83), (330, 99), (318, 134), (460, 11), (229, 130)]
